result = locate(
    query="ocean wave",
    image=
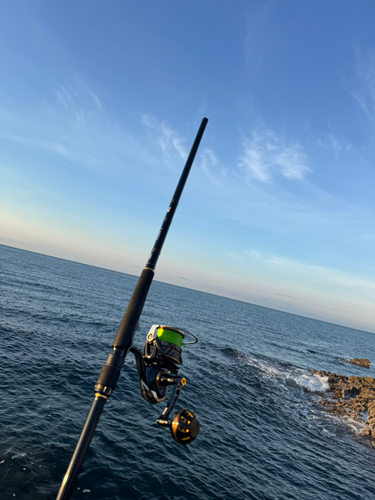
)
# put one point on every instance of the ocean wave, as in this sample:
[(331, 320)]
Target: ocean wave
[(313, 383), (19, 455), (357, 426), (230, 352), (282, 372), (302, 378), (286, 374)]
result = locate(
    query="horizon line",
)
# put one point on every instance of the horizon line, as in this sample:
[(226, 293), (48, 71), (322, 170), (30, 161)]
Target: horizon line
[(188, 288)]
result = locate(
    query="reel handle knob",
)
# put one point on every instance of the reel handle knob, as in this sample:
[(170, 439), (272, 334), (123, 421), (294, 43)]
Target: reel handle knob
[(184, 426)]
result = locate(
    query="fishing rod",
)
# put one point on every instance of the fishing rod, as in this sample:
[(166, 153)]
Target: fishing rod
[(158, 365)]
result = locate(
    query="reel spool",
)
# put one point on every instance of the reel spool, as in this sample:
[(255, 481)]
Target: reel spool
[(158, 368)]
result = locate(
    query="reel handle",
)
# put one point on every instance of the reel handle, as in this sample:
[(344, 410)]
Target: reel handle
[(184, 426)]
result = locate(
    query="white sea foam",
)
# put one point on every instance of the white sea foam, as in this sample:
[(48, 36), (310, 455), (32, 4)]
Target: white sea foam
[(357, 426), (303, 378), (313, 383), (328, 434)]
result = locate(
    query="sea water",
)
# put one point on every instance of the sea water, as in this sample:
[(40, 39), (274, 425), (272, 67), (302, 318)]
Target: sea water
[(263, 433)]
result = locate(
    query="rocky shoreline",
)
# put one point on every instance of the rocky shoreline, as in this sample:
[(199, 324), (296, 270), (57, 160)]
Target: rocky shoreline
[(353, 397)]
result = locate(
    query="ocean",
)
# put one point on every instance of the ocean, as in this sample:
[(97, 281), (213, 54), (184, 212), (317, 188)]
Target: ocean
[(263, 433)]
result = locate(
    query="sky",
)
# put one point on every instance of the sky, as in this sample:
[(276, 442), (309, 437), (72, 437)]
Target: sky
[(100, 103)]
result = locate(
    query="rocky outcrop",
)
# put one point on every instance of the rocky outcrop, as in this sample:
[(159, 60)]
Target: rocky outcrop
[(351, 396), (361, 362)]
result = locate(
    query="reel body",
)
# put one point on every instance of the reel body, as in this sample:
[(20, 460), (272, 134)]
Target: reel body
[(158, 368)]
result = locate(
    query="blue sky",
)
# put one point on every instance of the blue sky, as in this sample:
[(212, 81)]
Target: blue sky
[(100, 102)]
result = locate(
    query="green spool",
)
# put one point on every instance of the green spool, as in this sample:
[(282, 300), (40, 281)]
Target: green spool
[(170, 336)]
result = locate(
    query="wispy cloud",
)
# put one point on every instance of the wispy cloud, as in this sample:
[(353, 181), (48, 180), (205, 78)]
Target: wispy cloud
[(74, 125), (169, 141), (210, 165), (331, 142), (71, 151), (321, 275), (265, 154), (365, 91), (338, 145), (77, 97), (70, 103)]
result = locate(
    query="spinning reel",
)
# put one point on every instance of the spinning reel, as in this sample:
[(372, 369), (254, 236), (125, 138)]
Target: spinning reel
[(158, 368)]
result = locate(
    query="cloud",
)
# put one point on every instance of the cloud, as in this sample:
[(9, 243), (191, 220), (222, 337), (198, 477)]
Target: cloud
[(331, 142), (255, 254), (73, 124), (72, 150), (312, 273), (338, 145), (365, 92), (170, 142), (77, 97), (210, 165), (265, 154)]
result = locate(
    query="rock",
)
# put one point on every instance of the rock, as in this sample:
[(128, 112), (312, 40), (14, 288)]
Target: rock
[(352, 392), (352, 397), (369, 381), (361, 362)]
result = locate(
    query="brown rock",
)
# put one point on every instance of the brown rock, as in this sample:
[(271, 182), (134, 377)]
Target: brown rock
[(353, 397), (361, 362), (369, 381)]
